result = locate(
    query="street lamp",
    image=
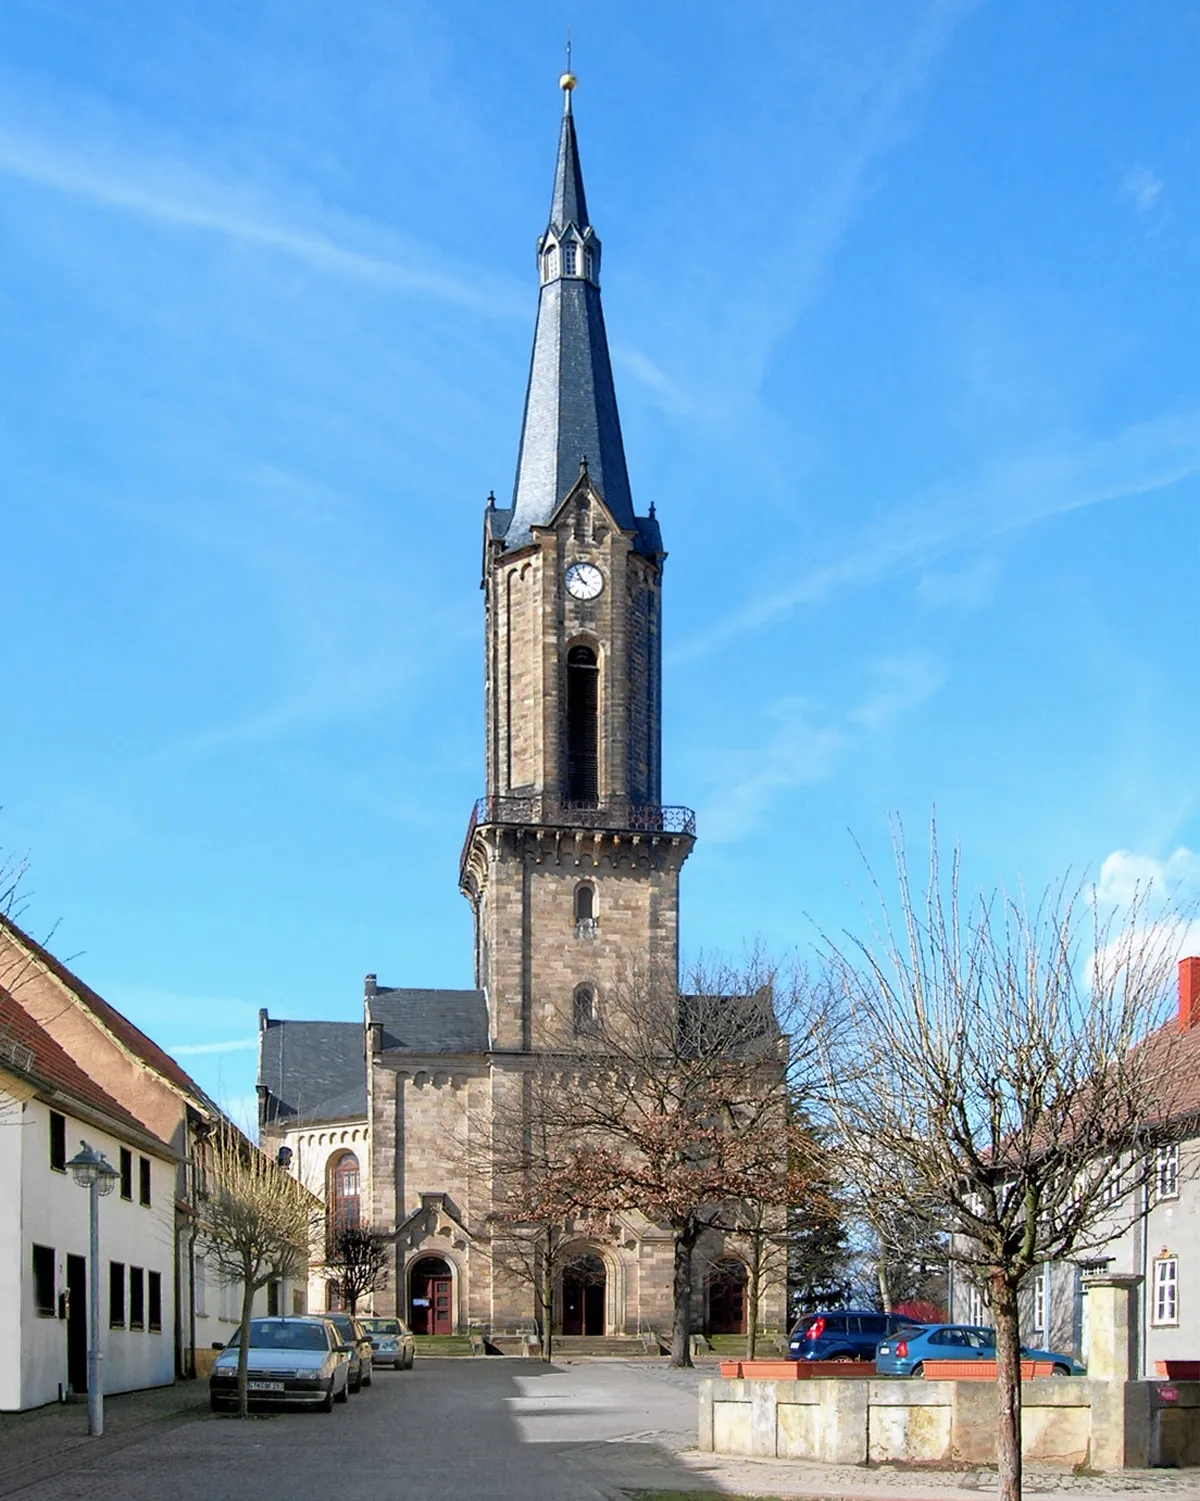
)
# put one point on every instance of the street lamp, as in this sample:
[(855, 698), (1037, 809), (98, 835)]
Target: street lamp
[(93, 1171)]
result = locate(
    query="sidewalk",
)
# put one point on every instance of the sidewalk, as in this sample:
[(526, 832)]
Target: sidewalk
[(43, 1439)]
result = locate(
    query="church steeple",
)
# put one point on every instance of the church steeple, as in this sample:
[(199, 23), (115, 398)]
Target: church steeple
[(571, 403)]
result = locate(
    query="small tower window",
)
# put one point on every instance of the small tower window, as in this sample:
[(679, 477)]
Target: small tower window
[(585, 911), (585, 1011), (550, 262), (570, 255), (583, 695), (588, 262)]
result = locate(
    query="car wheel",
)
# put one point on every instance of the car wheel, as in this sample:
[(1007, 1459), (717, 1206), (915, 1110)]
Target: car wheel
[(326, 1404), (366, 1381), (412, 1355), (343, 1395), (1060, 1370), (215, 1403), (918, 1370), (357, 1387)]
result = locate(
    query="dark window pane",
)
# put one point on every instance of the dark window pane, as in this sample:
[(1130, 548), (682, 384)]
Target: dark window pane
[(126, 1173), (272, 1299), (144, 1179), (154, 1289), (58, 1142), (873, 1324), (836, 1326), (583, 755), (116, 1294), (43, 1277), (137, 1298)]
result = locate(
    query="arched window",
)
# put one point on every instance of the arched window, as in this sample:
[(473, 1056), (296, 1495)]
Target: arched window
[(569, 257), (585, 902), (584, 1018), (550, 262), (345, 1194), (588, 262), (583, 693)]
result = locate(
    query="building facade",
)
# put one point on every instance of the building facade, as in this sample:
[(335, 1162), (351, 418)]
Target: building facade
[(571, 864)]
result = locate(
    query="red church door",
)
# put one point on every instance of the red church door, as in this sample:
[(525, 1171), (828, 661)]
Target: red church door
[(439, 1300)]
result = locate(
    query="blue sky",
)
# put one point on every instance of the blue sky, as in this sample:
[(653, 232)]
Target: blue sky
[(902, 304)]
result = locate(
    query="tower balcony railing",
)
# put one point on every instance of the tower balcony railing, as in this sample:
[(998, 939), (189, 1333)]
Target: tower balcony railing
[(548, 811)]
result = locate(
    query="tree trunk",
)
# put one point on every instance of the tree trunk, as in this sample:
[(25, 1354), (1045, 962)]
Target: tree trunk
[(681, 1328), (1008, 1387), (244, 1343), (546, 1300), (753, 1279), (885, 1286)]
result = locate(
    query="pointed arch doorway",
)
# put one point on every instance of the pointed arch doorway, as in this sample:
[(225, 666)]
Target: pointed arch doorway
[(584, 1289), (727, 1286), (431, 1296)]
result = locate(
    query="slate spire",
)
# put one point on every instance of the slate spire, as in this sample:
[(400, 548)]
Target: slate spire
[(571, 404)]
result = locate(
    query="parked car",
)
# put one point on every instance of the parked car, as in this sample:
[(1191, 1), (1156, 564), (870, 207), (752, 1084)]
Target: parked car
[(843, 1334), (288, 1360), (906, 1354), (392, 1342), (359, 1342)]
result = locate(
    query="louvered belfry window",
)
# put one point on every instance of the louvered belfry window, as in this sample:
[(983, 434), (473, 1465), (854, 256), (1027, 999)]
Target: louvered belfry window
[(583, 684)]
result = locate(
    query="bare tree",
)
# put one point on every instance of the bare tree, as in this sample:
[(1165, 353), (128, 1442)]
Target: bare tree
[(675, 1106), (1018, 1069), (357, 1258), (257, 1225)]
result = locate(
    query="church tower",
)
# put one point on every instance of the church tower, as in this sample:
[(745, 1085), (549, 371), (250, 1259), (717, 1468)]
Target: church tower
[(571, 862)]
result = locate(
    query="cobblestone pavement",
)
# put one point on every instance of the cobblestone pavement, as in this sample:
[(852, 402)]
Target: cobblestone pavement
[(466, 1430)]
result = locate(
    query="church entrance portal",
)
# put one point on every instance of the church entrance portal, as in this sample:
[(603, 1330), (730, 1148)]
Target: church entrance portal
[(727, 1297), (583, 1288), (430, 1296)]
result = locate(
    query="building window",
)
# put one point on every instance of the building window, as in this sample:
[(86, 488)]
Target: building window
[(58, 1142), (126, 1173), (584, 1011), (585, 910), (116, 1294), (1039, 1300), (137, 1298), (200, 1287), (588, 262), (334, 1302), (144, 1180), (570, 255), (976, 1306), (1164, 1308), (272, 1300), (1166, 1173), (550, 262), (43, 1280), (346, 1193), (154, 1302), (583, 748)]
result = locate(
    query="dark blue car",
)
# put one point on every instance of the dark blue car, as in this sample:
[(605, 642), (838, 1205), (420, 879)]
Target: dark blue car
[(843, 1334), (907, 1352)]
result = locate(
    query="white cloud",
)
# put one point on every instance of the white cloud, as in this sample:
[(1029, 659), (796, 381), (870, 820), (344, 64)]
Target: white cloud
[(1143, 187), (902, 683), (1126, 876), (189, 1049)]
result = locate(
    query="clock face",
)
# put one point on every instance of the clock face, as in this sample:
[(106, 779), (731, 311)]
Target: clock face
[(584, 581)]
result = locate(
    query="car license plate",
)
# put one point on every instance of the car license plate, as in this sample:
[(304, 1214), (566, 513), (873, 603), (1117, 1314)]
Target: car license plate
[(885, 1349), (264, 1386)]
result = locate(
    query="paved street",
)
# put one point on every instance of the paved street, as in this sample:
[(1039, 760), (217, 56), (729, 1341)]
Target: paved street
[(461, 1429)]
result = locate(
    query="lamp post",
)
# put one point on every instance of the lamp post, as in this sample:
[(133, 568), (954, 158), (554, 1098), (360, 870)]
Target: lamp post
[(92, 1170)]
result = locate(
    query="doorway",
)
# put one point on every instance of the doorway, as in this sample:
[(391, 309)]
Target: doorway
[(727, 1297), (431, 1296), (584, 1284), (77, 1330)]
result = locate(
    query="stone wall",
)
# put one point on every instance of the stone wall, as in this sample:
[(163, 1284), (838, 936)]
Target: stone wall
[(1107, 1425)]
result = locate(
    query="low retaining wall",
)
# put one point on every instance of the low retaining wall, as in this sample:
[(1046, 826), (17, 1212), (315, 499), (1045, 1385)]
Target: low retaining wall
[(1109, 1425)]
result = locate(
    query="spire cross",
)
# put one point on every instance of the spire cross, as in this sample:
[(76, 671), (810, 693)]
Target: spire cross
[(567, 82)]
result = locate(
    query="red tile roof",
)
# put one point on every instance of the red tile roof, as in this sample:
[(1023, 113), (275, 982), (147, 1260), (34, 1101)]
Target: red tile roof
[(121, 1027), (51, 1064)]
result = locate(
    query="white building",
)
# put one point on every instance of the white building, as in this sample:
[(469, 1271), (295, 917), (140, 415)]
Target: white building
[(48, 1105)]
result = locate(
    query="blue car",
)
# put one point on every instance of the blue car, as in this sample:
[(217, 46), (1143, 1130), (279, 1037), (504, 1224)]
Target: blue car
[(842, 1334), (905, 1354)]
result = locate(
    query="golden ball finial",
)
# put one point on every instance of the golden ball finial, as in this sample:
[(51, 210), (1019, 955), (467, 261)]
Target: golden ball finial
[(567, 82)]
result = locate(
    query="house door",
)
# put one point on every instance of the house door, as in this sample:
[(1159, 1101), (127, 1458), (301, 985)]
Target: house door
[(727, 1298), (583, 1293), (431, 1296), (77, 1331)]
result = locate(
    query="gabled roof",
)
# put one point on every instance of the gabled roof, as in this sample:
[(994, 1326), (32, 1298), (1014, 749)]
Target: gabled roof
[(430, 1021), (39, 1058), (132, 1038), (315, 1071)]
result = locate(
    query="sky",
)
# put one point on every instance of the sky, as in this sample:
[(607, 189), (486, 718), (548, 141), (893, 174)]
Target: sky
[(902, 302)]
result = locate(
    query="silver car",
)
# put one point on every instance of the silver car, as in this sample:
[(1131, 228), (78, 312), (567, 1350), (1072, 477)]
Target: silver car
[(392, 1342), (299, 1360)]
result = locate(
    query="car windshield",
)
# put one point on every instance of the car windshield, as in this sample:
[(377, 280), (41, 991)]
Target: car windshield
[(381, 1326), (268, 1335), (343, 1324)]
